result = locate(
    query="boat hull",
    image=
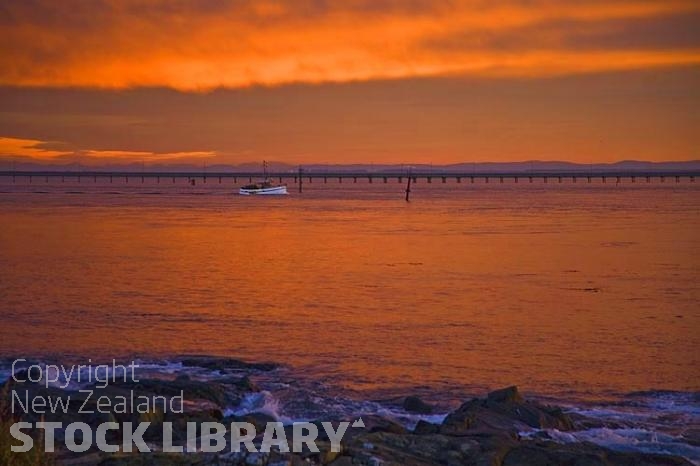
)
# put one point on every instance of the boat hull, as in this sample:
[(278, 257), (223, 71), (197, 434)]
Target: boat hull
[(272, 191)]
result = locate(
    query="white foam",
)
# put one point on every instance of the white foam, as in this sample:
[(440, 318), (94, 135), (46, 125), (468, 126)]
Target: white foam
[(260, 402), (629, 440)]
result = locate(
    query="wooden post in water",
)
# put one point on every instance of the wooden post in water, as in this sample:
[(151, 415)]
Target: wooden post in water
[(300, 178), (408, 186)]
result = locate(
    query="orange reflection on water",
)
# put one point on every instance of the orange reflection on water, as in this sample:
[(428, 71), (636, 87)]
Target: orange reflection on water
[(557, 288)]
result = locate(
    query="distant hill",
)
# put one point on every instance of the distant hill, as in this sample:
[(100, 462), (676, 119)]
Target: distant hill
[(279, 167)]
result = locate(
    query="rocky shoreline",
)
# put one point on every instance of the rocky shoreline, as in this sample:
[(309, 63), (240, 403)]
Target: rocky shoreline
[(502, 428)]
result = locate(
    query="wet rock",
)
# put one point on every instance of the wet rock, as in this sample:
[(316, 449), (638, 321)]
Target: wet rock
[(504, 411), (259, 420), (256, 459), (244, 384), (183, 378), (154, 459), (413, 404), (424, 427), (390, 449), (505, 395), (375, 423), (223, 364), (342, 461), (582, 454), (692, 436), (584, 423), (191, 389)]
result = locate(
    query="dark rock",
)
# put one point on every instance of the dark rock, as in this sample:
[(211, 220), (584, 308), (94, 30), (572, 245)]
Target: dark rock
[(505, 395), (179, 421), (223, 364), (397, 449), (342, 461), (243, 384), (692, 436), (582, 454), (375, 423), (504, 411), (423, 428), (413, 404), (182, 378), (582, 422), (191, 389), (483, 449), (154, 459), (259, 420)]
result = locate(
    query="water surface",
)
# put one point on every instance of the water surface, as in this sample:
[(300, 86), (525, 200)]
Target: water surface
[(564, 289)]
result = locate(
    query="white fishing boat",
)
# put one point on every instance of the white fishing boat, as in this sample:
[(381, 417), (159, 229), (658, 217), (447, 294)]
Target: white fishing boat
[(265, 187)]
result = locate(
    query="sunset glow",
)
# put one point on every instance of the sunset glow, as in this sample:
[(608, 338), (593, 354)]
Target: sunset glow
[(84, 49), (204, 46), (349, 232)]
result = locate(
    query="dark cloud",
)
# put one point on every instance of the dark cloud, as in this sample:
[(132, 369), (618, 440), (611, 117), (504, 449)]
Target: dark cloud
[(667, 32), (636, 115)]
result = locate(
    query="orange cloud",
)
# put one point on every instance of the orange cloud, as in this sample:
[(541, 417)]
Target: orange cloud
[(145, 156), (15, 147), (204, 45), (41, 151)]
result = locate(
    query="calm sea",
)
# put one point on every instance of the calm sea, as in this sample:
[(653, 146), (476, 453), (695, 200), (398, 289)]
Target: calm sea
[(582, 293)]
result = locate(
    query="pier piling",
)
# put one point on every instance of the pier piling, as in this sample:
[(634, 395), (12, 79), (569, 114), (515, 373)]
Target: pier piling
[(408, 187)]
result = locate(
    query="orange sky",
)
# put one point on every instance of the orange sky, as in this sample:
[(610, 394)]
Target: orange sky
[(352, 81)]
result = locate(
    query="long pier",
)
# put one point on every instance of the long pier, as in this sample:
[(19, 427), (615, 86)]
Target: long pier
[(300, 176)]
